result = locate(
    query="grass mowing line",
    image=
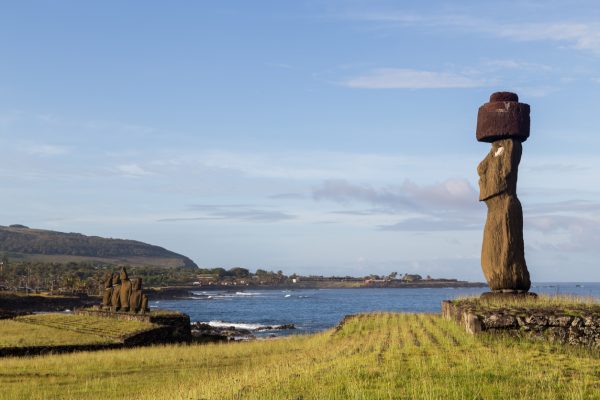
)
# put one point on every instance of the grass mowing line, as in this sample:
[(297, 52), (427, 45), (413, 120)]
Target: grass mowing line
[(19, 334), (316, 367), (103, 327), (426, 332)]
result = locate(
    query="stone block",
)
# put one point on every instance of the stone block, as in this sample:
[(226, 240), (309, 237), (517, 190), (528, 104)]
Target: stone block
[(503, 118)]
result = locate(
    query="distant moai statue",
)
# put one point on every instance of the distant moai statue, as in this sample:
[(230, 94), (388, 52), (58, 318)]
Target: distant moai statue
[(115, 303), (144, 308), (122, 294), (107, 291), (125, 290), (503, 122), (138, 301)]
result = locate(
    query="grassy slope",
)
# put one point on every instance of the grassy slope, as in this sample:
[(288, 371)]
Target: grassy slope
[(65, 329), (395, 356), (21, 334)]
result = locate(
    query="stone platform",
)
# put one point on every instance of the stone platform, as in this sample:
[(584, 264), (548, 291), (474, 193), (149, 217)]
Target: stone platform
[(174, 326), (581, 327)]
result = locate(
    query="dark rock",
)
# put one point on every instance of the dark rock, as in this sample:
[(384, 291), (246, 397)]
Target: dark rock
[(550, 323), (286, 326), (562, 321), (502, 118), (556, 334), (504, 96), (205, 332), (499, 321), (277, 327), (538, 320)]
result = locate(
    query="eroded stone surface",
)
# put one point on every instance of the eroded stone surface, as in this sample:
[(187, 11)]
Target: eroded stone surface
[(125, 291), (503, 250), (503, 117), (552, 325), (115, 303), (107, 291)]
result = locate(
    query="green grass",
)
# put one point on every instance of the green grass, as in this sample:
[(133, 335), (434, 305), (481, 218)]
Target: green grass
[(373, 356), (84, 324), (21, 334)]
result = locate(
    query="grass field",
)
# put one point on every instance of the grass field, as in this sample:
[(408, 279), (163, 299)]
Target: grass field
[(572, 305), (104, 327), (21, 334), (65, 329), (373, 356)]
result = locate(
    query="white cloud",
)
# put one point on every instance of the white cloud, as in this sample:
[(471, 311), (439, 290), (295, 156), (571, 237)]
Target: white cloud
[(132, 170), (402, 78), (516, 64), (578, 35), (46, 150), (452, 194)]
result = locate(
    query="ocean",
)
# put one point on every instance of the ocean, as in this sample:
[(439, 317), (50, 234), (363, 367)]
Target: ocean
[(312, 310)]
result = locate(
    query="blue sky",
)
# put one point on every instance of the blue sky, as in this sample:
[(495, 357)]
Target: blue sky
[(314, 137)]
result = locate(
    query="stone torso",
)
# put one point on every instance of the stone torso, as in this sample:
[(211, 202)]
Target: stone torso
[(503, 254)]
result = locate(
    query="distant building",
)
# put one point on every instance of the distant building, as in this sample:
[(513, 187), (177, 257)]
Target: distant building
[(412, 277)]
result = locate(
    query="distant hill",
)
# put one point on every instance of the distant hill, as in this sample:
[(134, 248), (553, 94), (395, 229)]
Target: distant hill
[(51, 246)]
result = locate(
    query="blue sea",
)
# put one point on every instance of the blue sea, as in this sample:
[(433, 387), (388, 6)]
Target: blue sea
[(312, 310)]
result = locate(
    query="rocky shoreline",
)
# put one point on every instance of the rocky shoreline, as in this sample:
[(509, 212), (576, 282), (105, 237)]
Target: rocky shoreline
[(205, 332)]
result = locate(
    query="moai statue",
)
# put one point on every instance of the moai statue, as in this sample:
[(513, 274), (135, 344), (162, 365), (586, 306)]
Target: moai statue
[(107, 292), (115, 303), (135, 299), (125, 290), (503, 122), (144, 308)]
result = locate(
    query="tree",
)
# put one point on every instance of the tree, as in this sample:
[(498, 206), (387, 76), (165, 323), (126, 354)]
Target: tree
[(239, 272)]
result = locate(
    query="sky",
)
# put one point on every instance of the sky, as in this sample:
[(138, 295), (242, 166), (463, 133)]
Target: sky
[(315, 137)]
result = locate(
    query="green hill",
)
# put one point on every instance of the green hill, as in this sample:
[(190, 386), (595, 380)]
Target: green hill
[(41, 245)]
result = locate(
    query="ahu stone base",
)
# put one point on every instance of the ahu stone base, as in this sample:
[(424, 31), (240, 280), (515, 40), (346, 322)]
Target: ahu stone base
[(550, 325), (172, 327)]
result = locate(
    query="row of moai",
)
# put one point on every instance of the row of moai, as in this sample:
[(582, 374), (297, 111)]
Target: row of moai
[(122, 294), (503, 122)]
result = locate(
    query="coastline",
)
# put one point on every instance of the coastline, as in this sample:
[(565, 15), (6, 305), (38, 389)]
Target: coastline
[(176, 292), (11, 303)]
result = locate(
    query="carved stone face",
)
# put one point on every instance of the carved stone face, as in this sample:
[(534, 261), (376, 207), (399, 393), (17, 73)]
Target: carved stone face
[(107, 280), (498, 170), (116, 280), (124, 276), (137, 284)]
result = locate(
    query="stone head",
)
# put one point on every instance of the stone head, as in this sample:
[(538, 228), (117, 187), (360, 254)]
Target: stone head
[(124, 276), (498, 170), (107, 280), (137, 284), (116, 280)]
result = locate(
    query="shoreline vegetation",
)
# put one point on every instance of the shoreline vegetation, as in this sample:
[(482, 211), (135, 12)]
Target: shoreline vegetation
[(375, 355), (17, 302)]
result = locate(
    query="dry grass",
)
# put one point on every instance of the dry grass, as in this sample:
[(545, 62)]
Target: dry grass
[(21, 334), (373, 356), (564, 303), (84, 324)]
